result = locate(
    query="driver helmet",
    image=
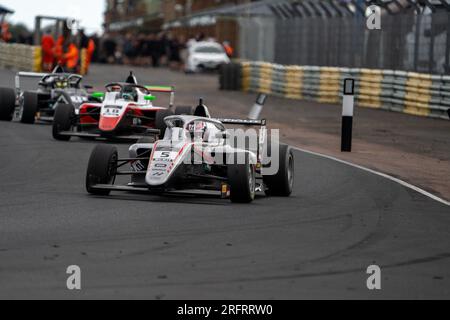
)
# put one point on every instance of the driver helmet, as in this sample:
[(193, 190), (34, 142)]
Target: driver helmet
[(61, 83), (130, 94), (115, 89), (197, 130)]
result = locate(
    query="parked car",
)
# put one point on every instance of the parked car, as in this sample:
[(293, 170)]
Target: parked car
[(205, 55)]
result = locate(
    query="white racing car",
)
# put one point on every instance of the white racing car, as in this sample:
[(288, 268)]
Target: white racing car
[(198, 153), (205, 55)]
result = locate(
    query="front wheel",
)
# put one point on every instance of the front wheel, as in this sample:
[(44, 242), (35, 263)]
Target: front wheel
[(282, 183), (62, 121), (242, 181), (102, 169), (28, 107), (7, 104)]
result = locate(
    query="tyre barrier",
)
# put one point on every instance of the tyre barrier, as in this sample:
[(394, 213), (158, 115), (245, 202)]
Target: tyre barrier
[(20, 57), (230, 77), (400, 91)]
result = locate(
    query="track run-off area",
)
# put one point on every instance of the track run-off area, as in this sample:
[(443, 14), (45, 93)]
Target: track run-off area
[(316, 244)]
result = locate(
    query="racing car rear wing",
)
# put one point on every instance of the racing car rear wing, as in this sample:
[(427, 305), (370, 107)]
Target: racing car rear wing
[(243, 122), (32, 75), (164, 89)]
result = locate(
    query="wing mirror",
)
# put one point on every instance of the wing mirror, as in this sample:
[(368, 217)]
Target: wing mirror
[(150, 98), (98, 95)]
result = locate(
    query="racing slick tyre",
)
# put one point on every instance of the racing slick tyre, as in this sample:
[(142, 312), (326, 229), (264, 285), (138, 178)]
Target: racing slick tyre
[(62, 121), (160, 124), (242, 181), (282, 183), (102, 169), (8, 104), (28, 107), (188, 111)]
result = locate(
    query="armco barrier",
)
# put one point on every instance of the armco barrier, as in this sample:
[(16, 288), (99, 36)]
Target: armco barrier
[(400, 91), (21, 57)]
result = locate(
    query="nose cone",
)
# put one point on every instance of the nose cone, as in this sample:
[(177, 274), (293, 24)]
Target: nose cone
[(108, 123)]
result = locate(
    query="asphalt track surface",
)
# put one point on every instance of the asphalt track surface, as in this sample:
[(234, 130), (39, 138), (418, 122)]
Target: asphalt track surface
[(316, 244)]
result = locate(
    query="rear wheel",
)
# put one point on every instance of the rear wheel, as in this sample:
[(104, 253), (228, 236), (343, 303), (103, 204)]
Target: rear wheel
[(282, 183), (160, 124), (8, 104), (102, 169), (62, 121), (28, 107), (242, 181)]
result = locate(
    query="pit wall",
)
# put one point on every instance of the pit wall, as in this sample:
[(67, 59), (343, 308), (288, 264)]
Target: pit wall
[(407, 92)]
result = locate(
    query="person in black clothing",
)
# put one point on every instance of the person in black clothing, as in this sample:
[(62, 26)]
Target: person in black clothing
[(129, 49), (95, 55), (109, 48), (143, 52), (153, 49), (84, 40), (200, 37), (173, 51), (148, 49), (158, 50)]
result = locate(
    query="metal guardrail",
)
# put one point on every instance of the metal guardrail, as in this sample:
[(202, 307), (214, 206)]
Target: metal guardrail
[(407, 92)]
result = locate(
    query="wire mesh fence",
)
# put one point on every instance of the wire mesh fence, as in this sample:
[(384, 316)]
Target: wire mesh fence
[(407, 42)]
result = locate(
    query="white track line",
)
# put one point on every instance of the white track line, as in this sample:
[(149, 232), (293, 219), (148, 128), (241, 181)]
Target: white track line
[(386, 176)]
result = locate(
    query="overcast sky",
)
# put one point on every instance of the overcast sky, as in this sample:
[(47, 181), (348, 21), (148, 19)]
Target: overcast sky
[(90, 12)]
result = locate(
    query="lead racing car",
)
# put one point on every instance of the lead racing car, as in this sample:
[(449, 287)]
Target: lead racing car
[(40, 104), (125, 112), (198, 153)]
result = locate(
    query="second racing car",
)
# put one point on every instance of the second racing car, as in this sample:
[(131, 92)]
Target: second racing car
[(126, 112)]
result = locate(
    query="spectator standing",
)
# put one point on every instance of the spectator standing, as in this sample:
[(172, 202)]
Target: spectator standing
[(67, 53), (48, 56), (228, 49), (89, 53), (142, 51), (129, 49), (151, 48), (109, 49), (173, 52)]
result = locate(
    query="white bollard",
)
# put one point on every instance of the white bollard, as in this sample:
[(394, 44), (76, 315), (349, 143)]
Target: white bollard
[(348, 106)]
